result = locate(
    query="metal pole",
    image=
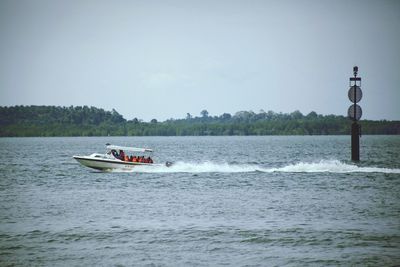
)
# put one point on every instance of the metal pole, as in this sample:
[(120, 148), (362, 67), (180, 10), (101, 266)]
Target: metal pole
[(355, 142), (355, 129)]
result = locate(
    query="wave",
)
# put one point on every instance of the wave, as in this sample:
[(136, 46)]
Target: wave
[(331, 166)]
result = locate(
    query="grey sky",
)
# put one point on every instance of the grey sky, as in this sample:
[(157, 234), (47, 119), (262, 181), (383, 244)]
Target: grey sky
[(163, 59)]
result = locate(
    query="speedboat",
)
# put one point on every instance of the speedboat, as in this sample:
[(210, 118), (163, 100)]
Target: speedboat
[(117, 158)]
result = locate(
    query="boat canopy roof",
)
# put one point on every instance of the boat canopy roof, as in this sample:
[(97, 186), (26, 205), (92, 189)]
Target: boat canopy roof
[(126, 148)]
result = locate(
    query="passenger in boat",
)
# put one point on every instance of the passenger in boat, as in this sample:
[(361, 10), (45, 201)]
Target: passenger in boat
[(134, 159), (131, 158), (121, 155), (149, 160)]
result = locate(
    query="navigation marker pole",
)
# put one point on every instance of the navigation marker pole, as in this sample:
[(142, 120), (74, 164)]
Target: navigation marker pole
[(354, 112)]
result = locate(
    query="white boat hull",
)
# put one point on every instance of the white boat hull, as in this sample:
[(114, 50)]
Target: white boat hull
[(109, 164)]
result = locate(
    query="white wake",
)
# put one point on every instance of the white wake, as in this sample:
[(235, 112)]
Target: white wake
[(331, 166)]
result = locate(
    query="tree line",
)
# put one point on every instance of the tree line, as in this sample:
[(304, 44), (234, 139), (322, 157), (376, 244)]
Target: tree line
[(91, 121)]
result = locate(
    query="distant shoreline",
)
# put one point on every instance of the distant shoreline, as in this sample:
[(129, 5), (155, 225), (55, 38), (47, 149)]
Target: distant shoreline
[(183, 136), (52, 121)]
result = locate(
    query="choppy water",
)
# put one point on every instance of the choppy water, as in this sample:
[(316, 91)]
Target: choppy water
[(241, 201)]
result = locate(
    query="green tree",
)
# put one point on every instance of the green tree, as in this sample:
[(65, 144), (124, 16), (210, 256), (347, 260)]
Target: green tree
[(204, 113)]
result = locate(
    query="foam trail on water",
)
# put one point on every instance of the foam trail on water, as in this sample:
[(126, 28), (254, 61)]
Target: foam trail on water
[(332, 166), (208, 167)]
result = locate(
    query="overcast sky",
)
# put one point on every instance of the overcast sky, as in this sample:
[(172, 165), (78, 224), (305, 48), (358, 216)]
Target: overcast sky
[(163, 59)]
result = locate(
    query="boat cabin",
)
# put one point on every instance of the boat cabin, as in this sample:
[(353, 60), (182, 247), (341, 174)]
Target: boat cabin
[(130, 154)]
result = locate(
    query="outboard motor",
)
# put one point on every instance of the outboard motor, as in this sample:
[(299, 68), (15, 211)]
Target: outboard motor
[(168, 163)]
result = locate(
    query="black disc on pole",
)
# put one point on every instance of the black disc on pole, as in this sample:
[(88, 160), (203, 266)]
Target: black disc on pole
[(355, 93), (354, 115)]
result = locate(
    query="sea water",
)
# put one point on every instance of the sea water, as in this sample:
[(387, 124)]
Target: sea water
[(239, 201)]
